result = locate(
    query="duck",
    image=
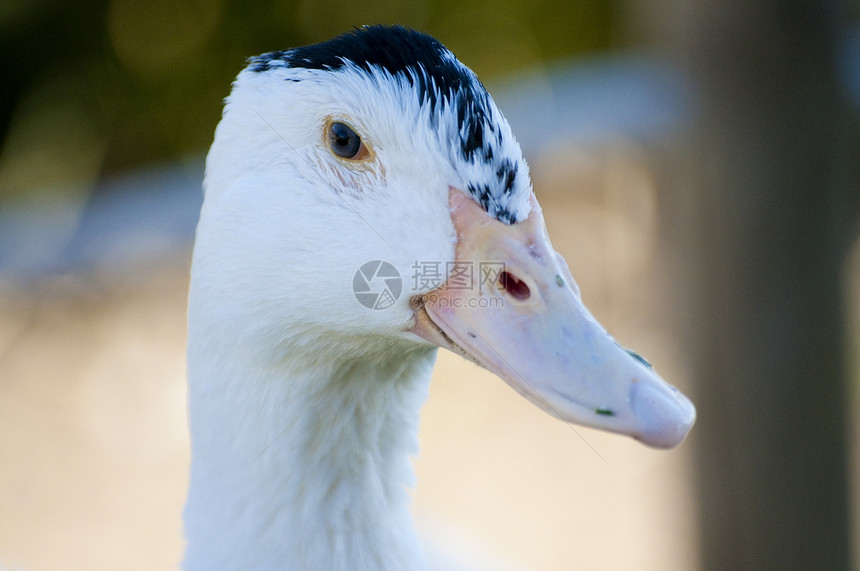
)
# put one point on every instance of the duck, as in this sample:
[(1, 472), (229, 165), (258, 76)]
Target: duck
[(365, 204)]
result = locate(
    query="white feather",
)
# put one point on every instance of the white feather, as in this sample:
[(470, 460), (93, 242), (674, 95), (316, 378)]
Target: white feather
[(303, 403)]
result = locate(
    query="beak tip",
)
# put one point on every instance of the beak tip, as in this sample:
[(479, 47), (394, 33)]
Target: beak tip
[(665, 416)]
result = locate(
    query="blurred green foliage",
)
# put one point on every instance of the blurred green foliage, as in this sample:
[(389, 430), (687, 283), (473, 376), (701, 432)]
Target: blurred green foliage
[(91, 88)]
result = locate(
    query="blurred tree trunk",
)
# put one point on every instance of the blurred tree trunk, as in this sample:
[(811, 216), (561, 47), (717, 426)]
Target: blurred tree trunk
[(764, 245)]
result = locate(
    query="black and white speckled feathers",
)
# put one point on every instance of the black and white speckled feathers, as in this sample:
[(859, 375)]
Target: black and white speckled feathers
[(491, 159)]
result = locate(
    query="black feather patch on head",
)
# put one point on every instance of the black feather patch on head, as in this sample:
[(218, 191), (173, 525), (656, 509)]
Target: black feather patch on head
[(400, 51), (435, 73)]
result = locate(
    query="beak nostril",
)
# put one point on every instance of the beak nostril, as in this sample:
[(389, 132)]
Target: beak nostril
[(514, 286)]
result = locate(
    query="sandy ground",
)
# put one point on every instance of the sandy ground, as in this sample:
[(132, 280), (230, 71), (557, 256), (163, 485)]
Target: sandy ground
[(94, 448)]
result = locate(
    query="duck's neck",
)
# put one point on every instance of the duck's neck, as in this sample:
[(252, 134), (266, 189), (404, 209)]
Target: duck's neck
[(303, 463)]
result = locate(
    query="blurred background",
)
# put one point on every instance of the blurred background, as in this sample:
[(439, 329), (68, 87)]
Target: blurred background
[(699, 167)]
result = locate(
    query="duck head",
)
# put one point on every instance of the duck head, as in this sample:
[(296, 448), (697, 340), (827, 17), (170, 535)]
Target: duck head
[(392, 203)]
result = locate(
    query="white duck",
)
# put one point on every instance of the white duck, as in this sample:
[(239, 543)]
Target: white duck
[(304, 404)]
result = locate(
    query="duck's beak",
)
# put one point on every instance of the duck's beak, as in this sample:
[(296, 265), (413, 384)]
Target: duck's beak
[(511, 306)]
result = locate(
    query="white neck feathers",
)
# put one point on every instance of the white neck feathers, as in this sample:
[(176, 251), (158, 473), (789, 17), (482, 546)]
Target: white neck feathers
[(304, 464)]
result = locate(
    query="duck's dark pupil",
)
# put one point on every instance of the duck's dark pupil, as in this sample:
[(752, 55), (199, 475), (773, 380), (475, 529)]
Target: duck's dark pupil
[(344, 141)]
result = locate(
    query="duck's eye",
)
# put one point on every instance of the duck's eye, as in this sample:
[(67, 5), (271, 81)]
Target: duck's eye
[(345, 142)]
